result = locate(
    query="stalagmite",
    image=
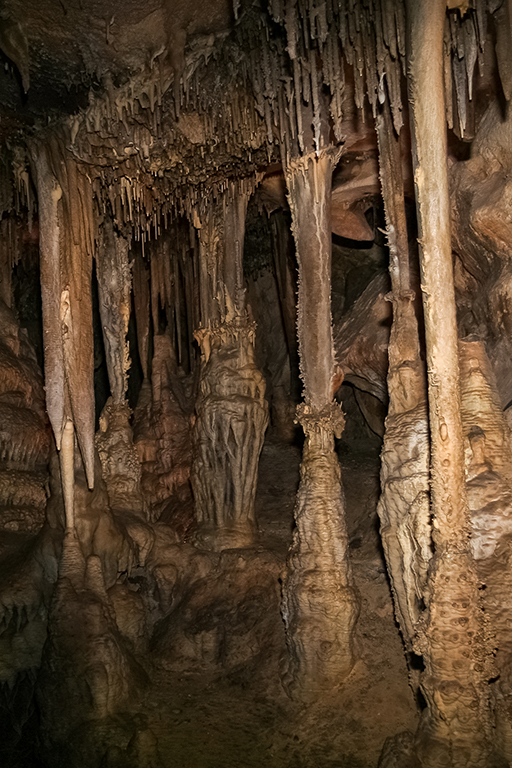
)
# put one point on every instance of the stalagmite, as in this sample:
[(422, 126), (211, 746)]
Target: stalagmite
[(454, 729), (320, 605), (403, 508), (67, 471), (232, 412)]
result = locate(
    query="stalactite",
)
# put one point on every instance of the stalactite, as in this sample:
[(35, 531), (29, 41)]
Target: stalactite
[(470, 51), (49, 193), (177, 305), (67, 470), (120, 465), (142, 307), (10, 251), (448, 80), (459, 76), (67, 227), (155, 295)]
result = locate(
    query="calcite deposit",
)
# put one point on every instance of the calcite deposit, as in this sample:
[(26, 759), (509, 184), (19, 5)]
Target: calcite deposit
[(255, 384)]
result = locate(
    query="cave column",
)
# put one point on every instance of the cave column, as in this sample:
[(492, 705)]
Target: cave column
[(320, 605), (119, 460), (404, 504), (114, 288), (454, 726), (232, 412)]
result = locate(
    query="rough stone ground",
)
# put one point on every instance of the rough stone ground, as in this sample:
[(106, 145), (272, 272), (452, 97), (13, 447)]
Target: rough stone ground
[(218, 653), (238, 719)]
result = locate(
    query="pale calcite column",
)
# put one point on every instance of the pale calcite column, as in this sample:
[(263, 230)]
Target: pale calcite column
[(232, 413), (455, 726), (320, 605)]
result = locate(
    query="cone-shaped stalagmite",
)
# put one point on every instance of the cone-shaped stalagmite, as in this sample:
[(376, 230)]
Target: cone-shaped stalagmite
[(231, 410), (320, 606), (454, 725)]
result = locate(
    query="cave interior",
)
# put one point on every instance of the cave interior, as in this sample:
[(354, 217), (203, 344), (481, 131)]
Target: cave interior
[(255, 384)]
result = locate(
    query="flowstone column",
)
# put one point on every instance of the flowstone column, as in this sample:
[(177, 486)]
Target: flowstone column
[(404, 505), (454, 730), (232, 413), (320, 605), (114, 441)]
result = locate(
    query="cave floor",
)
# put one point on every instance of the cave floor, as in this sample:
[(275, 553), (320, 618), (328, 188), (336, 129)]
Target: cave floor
[(213, 696), (213, 718)]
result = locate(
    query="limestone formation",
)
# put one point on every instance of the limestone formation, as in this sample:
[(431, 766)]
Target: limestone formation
[(404, 505), (231, 411), (456, 722), (488, 476), (320, 603), (24, 432), (253, 257)]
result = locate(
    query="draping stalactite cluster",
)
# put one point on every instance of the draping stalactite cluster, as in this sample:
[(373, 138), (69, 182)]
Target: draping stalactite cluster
[(140, 488)]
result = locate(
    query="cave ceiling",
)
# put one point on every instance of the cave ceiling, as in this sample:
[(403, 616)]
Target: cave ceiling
[(177, 90), (170, 96)]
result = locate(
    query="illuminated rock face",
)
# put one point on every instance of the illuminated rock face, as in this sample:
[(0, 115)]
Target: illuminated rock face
[(232, 416), (320, 604), (25, 438), (141, 546)]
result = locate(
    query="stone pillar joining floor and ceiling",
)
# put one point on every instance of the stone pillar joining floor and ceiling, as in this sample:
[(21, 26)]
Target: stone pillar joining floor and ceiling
[(114, 441), (320, 604), (232, 413), (404, 504), (454, 728)]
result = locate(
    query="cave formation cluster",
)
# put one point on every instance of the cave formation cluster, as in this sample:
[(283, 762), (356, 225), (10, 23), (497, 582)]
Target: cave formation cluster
[(249, 252)]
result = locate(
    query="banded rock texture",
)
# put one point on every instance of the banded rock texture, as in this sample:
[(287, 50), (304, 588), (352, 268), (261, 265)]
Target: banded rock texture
[(320, 603), (232, 413), (488, 483), (24, 432), (231, 421), (140, 622)]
